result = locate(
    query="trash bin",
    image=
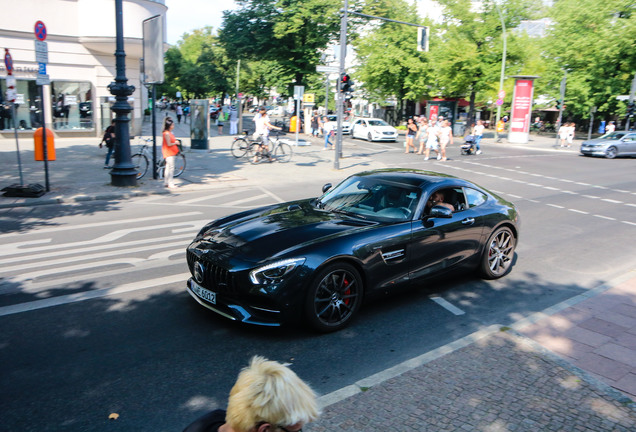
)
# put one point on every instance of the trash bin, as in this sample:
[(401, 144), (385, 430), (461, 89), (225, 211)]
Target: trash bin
[(601, 127), (38, 153)]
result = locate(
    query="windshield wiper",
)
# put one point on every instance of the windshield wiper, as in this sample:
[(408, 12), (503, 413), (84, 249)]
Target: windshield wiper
[(348, 213)]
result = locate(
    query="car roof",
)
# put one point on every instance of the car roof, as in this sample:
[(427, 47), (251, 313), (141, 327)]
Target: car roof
[(414, 177)]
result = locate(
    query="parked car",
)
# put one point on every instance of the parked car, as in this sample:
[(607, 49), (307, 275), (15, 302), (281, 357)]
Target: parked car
[(333, 123), (373, 129), (316, 259), (611, 145), (276, 111)]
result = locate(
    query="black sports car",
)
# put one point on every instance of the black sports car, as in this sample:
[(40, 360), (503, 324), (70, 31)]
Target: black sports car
[(316, 259)]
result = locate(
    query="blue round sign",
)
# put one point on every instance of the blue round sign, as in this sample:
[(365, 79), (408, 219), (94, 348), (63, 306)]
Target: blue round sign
[(40, 31)]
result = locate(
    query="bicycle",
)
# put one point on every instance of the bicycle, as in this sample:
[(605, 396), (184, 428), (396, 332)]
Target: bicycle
[(281, 152), (241, 145), (142, 159)]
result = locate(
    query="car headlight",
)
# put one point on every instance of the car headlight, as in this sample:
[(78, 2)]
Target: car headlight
[(274, 272)]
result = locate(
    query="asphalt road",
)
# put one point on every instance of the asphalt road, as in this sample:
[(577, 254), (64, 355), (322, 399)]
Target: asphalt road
[(95, 319)]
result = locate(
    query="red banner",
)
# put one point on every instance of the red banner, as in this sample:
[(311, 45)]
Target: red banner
[(522, 106)]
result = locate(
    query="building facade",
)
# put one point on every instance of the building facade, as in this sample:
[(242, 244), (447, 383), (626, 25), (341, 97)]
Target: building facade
[(81, 39)]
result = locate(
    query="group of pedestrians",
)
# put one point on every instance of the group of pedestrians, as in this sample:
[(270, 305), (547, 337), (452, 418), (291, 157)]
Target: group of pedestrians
[(566, 134), (435, 135)]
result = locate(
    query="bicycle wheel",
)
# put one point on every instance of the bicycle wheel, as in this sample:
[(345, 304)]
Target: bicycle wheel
[(179, 164), (161, 166), (140, 161), (283, 153), (255, 154), (240, 147)]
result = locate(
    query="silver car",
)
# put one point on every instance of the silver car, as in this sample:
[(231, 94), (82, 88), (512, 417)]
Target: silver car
[(611, 145)]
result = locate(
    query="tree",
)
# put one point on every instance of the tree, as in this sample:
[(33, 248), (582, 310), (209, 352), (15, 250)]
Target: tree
[(198, 66), (289, 32), (469, 52), (596, 47), (389, 63)]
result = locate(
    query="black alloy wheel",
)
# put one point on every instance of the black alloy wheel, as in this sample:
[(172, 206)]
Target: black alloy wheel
[(334, 297), (499, 253)]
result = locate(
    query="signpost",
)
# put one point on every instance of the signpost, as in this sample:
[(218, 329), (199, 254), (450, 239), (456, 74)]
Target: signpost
[(42, 79), (299, 91)]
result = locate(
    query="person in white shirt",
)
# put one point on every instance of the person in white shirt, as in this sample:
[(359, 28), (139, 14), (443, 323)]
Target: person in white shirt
[(263, 126), (445, 137), (478, 132)]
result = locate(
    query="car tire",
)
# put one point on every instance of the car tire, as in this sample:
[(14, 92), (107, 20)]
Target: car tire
[(369, 137), (334, 297), (497, 258), (611, 152)]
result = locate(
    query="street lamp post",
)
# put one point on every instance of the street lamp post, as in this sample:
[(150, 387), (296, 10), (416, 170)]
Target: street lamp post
[(123, 172), (503, 67)]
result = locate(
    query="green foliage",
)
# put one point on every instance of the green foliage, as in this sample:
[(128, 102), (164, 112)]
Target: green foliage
[(595, 43), (289, 32), (389, 64), (198, 67)]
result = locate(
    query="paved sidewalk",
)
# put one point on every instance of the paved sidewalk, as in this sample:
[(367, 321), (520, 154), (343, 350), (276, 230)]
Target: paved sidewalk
[(570, 368), (559, 372)]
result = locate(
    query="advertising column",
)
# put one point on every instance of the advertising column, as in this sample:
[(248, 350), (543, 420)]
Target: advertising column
[(521, 109)]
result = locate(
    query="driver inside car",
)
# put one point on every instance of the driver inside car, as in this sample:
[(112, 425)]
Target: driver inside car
[(437, 199)]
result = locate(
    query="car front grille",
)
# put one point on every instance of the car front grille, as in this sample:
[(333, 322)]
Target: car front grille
[(215, 277)]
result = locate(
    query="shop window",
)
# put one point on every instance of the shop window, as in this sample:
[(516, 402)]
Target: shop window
[(27, 106), (72, 105)]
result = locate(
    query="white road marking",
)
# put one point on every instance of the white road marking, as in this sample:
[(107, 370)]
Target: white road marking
[(207, 197), (94, 294), (578, 211), (555, 206), (604, 217), (244, 200), (176, 216), (447, 305), (612, 201), (629, 223)]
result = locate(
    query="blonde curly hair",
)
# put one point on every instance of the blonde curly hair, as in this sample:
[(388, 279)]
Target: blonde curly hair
[(268, 392)]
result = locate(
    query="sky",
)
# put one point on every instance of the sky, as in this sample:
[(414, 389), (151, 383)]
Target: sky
[(186, 15)]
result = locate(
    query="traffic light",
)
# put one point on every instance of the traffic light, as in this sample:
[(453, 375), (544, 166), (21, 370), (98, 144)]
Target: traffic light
[(559, 105), (631, 107), (422, 39), (345, 83)]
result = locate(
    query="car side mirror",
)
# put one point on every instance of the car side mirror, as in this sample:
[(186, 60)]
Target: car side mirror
[(440, 212), (326, 187)]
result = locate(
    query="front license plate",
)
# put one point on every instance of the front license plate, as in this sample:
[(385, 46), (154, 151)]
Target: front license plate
[(203, 293)]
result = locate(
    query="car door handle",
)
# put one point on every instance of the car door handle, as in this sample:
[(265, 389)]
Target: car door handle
[(468, 221)]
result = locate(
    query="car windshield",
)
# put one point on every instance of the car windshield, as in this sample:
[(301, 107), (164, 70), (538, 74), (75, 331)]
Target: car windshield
[(378, 123), (613, 136), (374, 199)]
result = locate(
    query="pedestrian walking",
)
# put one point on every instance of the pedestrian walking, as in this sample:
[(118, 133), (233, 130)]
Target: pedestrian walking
[(611, 127), (267, 397), (501, 127), (328, 132), (422, 134), (478, 132), (169, 150), (179, 111), (432, 137), (109, 140), (445, 138), (220, 119), (411, 131), (233, 120), (571, 131), (315, 124)]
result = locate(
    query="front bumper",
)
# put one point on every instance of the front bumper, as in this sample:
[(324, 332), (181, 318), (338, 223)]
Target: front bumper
[(235, 311), (593, 151)]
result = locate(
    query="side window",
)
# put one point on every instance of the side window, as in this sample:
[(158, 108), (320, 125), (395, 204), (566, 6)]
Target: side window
[(474, 197)]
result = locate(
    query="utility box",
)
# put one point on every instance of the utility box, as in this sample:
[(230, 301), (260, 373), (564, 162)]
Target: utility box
[(38, 154)]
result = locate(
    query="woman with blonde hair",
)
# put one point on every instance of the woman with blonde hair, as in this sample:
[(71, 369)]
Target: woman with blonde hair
[(267, 397)]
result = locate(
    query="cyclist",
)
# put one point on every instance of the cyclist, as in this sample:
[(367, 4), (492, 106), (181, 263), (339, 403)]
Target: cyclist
[(263, 126)]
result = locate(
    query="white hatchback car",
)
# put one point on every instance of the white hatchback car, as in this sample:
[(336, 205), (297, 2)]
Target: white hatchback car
[(373, 129)]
